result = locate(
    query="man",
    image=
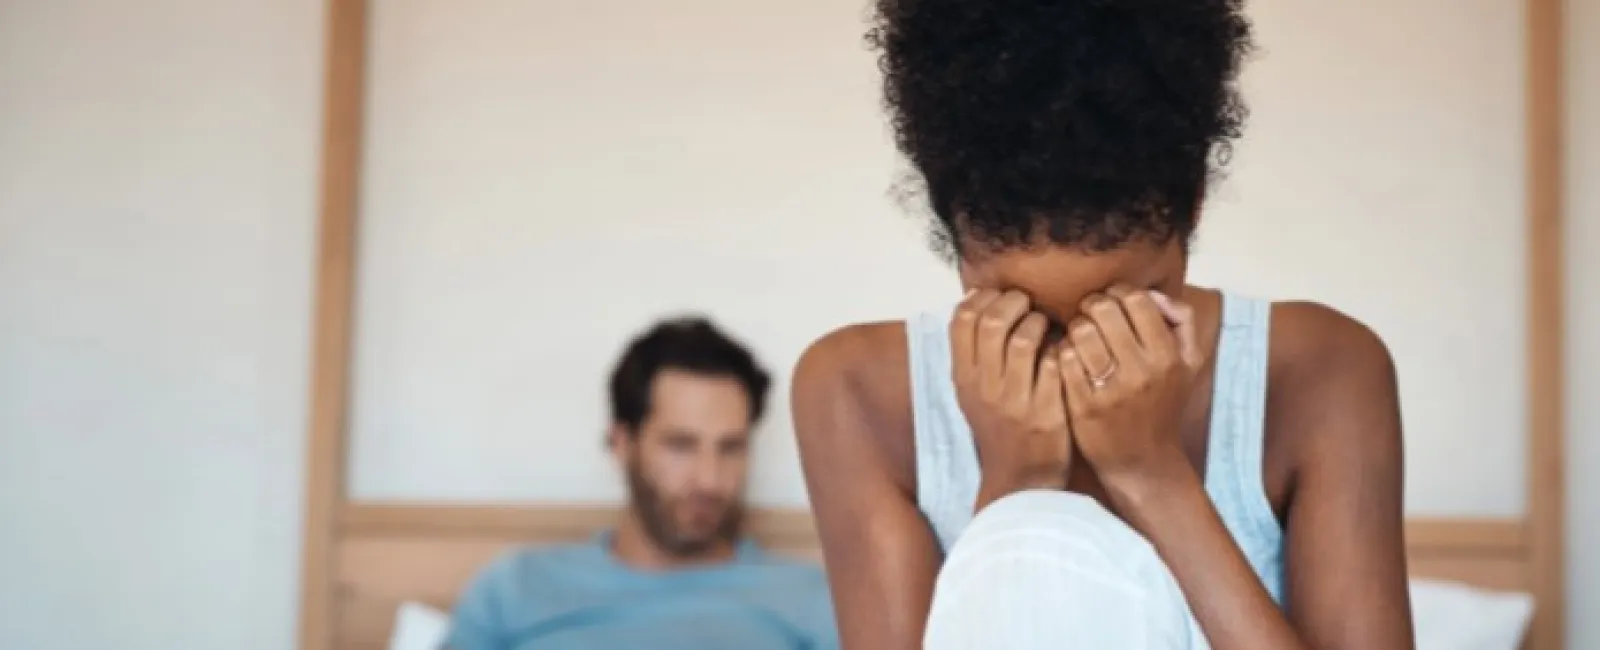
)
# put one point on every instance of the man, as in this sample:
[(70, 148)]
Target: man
[(675, 573)]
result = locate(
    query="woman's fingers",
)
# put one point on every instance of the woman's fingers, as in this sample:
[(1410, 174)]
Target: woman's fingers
[(1150, 325), (1116, 333), (1022, 359), (964, 328), (1089, 349), (1181, 317), (996, 339), (1049, 398), (999, 319), (1075, 381)]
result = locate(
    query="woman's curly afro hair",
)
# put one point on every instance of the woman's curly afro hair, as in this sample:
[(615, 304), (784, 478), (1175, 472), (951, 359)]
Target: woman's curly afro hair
[(1085, 123)]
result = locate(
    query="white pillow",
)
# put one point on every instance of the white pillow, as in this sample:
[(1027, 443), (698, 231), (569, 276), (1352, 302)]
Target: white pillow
[(1456, 616), (419, 627)]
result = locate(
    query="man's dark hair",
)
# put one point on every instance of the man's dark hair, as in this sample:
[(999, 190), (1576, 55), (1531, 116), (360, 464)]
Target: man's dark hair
[(1086, 123), (691, 344)]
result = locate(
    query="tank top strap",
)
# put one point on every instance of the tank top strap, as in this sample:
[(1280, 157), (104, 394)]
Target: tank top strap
[(1234, 457), (947, 457)]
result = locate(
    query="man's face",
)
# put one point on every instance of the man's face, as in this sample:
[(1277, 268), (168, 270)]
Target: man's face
[(686, 465)]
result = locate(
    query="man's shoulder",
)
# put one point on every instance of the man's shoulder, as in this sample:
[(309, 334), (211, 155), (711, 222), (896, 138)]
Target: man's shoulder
[(799, 589), (791, 568), (523, 565), (543, 554)]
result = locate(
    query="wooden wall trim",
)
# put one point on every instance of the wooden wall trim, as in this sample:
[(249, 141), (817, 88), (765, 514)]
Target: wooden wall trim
[(1546, 326), (1507, 537), (343, 90), (1467, 536), (514, 522)]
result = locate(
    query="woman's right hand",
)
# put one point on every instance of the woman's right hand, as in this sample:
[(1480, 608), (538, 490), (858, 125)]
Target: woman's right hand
[(1013, 398)]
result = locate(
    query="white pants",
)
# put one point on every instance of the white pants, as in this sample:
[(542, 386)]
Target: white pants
[(1049, 570)]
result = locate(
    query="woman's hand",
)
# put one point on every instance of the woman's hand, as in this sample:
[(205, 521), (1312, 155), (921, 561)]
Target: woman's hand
[(1128, 371), (1012, 398)]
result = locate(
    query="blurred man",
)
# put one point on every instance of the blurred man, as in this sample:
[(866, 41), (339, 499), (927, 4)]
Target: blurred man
[(675, 573)]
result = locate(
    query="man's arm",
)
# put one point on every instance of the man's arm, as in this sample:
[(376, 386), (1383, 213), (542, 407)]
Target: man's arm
[(881, 555), (475, 624)]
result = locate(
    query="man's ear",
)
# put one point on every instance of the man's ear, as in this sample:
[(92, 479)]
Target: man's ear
[(619, 439)]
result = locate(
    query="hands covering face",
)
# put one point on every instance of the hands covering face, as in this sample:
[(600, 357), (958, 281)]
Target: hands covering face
[(1116, 385)]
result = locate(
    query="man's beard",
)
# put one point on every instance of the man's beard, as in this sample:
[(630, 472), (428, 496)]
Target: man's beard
[(656, 513)]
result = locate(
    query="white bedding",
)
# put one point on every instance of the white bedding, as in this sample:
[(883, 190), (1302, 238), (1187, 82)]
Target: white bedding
[(1448, 616), (419, 627), (1455, 616)]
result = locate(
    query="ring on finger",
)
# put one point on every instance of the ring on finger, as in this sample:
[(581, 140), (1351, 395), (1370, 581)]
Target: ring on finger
[(1099, 381)]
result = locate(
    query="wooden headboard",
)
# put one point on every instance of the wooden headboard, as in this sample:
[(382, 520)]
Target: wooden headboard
[(389, 554), (361, 560), (385, 555)]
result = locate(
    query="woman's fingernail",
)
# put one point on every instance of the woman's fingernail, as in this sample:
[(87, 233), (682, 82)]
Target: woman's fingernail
[(1166, 305)]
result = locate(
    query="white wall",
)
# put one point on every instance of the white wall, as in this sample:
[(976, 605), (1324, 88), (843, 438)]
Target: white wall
[(542, 181), (1381, 172), (545, 178), (1583, 320), (155, 227)]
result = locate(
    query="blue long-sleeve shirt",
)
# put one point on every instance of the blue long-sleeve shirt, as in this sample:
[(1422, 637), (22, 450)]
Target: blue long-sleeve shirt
[(580, 597)]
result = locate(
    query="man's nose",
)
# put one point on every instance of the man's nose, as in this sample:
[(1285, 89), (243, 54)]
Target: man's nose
[(707, 474)]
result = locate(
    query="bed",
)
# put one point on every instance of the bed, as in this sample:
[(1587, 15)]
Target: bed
[(386, 555), (362, 560)]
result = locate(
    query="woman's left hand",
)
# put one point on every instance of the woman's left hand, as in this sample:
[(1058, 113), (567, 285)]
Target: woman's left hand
[(1128, 371)]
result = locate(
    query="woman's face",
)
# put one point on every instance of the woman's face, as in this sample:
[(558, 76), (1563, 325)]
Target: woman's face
[(1059, 278)]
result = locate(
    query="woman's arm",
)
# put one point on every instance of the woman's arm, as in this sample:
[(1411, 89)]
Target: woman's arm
[(1338, 410), (1337, 407), (1171, 509), (881, 555)]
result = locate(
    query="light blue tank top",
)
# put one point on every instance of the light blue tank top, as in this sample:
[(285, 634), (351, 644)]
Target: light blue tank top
[(947, 459)]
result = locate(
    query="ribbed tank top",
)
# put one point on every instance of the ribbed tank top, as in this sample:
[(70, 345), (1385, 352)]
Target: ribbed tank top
[(947, 458)]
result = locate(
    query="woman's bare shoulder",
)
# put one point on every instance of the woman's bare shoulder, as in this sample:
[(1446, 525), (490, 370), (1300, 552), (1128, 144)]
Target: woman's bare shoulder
[(1326, 366), (1311, 340), (854, 381)]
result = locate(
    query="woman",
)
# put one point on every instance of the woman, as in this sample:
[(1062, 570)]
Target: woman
[(1115, 450)]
